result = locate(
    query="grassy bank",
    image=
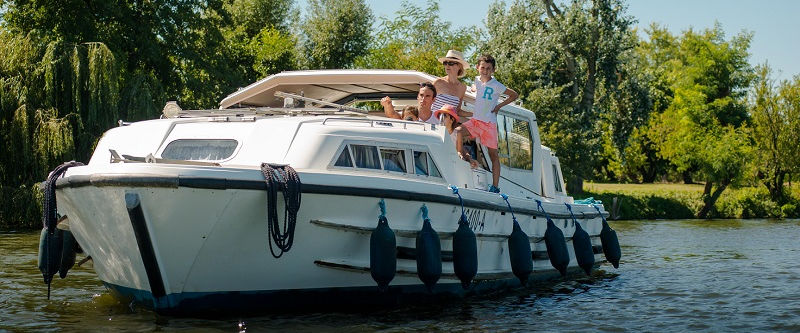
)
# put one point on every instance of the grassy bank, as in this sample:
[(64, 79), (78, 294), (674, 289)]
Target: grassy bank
[(681, 201)]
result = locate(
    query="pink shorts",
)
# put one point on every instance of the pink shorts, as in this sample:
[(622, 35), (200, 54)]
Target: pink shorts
[(487, 132)]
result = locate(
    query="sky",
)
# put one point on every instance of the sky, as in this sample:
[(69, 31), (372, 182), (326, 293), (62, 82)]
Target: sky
[(775, 23)]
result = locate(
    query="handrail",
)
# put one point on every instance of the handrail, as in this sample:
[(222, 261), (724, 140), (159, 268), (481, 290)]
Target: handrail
[(390, 121), (265, 111)]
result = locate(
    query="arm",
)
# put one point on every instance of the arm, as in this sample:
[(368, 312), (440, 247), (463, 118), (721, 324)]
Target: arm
[(388, 109), (512, 96), (459, 111)]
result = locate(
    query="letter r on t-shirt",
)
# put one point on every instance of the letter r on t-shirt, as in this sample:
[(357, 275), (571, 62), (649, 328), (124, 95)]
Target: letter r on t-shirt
[(487, 93)]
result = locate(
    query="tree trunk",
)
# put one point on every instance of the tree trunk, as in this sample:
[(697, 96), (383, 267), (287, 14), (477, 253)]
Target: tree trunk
[(687, 178), (710, 200), (575, 185), (774, 184)]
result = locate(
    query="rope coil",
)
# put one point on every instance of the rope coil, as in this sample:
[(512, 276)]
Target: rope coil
[(51, 258), (50, 210), (283, 178)]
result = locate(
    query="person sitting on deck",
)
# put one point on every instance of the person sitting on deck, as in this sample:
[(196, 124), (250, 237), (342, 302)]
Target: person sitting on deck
[(411, 113), (449, 117), (427, 92)]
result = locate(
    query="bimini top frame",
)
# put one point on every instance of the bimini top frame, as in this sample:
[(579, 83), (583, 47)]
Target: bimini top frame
[(294, 105), (327, 85)]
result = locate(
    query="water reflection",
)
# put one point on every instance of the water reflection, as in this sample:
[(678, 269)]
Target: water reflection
[(691, 275)]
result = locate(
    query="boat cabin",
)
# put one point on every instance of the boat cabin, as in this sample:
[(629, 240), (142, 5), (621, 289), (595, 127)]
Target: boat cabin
[(332, 121)]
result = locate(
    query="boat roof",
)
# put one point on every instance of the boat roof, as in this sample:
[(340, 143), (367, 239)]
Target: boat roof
[(338, 86)]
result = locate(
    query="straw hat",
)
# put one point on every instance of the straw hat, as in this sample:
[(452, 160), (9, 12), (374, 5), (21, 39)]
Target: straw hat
[(453, 55), (449, 109)]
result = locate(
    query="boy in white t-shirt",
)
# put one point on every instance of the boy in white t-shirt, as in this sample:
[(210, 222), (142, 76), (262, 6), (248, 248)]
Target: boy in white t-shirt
[(483, 124)]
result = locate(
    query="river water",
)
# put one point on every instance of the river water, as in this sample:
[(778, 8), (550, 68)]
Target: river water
[(691, 275)]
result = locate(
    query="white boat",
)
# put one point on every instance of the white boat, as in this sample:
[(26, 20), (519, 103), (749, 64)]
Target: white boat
[(174, 211)]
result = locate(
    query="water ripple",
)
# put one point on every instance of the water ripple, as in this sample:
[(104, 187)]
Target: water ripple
[(710, 276)]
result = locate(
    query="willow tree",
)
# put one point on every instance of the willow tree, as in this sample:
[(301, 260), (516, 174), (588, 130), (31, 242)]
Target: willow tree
[(55, 101)]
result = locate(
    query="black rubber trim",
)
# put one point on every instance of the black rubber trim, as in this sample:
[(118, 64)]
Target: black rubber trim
[(241, 184), (134, 206), (411, 253)]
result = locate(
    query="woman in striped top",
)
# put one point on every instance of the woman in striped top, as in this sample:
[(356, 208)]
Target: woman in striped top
[(450, 90)]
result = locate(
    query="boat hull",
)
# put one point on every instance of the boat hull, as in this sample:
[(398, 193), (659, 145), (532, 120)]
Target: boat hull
[(203, 248)]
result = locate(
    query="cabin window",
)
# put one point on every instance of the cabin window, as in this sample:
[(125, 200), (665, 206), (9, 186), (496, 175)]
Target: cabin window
[(200, 149), (394, 160), (556, 178), (344, 159), (514, 142), (423, 165), (366, 157)]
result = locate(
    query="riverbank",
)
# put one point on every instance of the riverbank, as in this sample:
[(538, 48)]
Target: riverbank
[(682, 201)]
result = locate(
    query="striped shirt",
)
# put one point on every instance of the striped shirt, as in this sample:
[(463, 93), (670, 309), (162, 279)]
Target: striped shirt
[(441, 99)]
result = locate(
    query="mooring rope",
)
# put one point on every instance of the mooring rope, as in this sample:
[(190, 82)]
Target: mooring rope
[(505, 197), (285, 179), (50, 216), (50, 209), (460, 201), (571, 214)]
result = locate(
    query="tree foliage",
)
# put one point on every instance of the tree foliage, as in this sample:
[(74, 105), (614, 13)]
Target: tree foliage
[(702, 127), (775, 111), (335, 33), (70, 70), (558, 59), (414, 38)]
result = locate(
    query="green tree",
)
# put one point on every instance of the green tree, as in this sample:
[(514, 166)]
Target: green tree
[(703, 126), (258, 37), (775, 123), (335, 33), (55, 100), (414, 38), (558, 58), (632, 153)]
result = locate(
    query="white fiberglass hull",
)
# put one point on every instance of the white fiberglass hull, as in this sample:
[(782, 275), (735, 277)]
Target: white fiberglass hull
[(209, 246)]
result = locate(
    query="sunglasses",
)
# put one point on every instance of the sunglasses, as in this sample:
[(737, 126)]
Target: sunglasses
[(450, 63)]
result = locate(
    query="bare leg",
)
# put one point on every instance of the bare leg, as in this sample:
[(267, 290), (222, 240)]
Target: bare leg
[(495, 157), (461, 133)]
